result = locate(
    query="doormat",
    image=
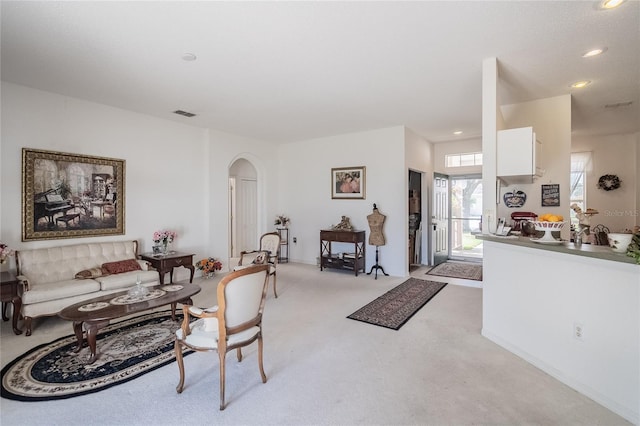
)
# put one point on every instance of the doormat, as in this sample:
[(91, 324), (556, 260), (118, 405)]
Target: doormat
[(394, 308), (126, 350), (468, 271)]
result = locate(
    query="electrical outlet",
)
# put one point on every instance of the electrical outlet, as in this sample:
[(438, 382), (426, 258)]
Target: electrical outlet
[(578, 331), (295, 240)]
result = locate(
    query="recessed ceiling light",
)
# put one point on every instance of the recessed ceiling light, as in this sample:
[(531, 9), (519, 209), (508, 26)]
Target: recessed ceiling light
[(457, 132), (189, 57), (610, 4), (581, 84), (594, 52)]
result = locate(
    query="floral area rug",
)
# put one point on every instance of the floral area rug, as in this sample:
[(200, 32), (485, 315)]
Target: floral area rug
[(126, 350), (394, 308), (468, 271)]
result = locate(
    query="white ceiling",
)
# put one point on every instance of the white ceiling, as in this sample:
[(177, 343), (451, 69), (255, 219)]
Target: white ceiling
[(288, 71)]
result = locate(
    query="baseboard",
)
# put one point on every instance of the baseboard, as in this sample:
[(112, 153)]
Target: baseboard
[(628, 414)]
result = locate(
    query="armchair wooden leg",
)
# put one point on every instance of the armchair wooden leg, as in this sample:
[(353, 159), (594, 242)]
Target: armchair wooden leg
[(275, 293), (239, 353), (264, 376), (178, 349), (222, 355)]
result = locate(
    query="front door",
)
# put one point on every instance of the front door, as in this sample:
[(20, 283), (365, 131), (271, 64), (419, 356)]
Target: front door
[(440, 219)]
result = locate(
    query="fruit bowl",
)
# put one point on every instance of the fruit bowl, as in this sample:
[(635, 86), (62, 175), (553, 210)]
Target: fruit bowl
[(548, 228)]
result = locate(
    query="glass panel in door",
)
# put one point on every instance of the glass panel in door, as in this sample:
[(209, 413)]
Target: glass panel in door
[(466, 211)]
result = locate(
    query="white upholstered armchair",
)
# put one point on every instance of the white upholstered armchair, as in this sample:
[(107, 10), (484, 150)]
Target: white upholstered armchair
[(234, 323), (270, 244)]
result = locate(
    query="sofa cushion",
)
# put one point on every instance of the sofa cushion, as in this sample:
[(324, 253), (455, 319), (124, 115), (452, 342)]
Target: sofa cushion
[(127, 279), (59, 290), (121, 266), (89, 273)]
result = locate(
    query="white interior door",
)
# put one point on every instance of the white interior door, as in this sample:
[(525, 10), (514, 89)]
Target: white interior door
[(246, 223), (440, 219)]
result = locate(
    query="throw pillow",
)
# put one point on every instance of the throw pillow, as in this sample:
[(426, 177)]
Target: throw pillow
[(89, 273), (259, 260), (121, 266)]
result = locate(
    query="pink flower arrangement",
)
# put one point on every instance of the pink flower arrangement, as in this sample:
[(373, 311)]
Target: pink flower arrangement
[(5, 252), (164, 236)]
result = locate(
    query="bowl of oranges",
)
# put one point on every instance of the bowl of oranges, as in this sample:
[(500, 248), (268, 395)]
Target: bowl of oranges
[(548, 223)]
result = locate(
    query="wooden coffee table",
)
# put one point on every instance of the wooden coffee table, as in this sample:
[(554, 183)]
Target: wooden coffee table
[(97, 312)]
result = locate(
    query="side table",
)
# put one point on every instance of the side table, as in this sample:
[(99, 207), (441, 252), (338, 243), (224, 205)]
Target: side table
[(166, 262), (9, 293)]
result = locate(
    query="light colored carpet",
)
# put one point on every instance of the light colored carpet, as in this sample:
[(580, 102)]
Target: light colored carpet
[(323, 369)]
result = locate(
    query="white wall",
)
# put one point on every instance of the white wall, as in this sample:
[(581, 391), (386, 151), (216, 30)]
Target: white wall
[(176, 175), (304, 192), (224, 150), (618, 155), (551, 120), (491, 120)]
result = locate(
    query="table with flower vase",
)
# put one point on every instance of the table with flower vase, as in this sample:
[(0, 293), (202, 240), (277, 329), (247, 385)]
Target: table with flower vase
[(166, 262)]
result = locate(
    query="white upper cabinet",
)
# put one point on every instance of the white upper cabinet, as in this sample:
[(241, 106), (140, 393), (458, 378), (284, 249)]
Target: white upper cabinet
[(518, 155)]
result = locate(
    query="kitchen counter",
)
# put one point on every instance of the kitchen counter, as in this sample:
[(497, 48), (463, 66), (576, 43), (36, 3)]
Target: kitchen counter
[(572, 312), (588, 250)]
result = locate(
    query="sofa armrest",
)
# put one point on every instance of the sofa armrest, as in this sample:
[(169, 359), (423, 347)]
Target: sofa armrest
[(146, 266), (24, 282)]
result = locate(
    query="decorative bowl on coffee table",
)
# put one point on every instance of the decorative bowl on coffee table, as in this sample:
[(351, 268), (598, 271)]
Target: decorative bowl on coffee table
[(548, 228)]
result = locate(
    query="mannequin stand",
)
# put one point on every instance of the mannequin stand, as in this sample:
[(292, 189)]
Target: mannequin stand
[(377, 266)]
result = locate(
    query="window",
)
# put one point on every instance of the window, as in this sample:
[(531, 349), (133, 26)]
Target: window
[(580, 165), (463, 160)]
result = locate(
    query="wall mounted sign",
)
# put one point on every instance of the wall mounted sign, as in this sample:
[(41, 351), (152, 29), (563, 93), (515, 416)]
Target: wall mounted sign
[(514, 199), (551, 195)]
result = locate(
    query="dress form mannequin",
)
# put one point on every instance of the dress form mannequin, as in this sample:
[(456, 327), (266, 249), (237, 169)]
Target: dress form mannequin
[(376, 237), (376, 221)]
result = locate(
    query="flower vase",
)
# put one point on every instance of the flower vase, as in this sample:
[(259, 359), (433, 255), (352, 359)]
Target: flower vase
[(165, 248)]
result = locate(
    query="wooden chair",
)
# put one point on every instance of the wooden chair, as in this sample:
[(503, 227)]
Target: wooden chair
[(236, 321), (269, 243)]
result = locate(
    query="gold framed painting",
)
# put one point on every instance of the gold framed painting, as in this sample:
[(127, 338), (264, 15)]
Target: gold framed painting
[(348, 183), (71, 195)]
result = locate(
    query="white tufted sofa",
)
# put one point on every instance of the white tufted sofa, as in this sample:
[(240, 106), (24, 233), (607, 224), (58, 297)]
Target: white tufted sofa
[(48, 276)]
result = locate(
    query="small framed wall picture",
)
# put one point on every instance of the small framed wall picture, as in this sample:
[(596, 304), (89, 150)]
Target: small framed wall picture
[(551, 195), (348, 183)]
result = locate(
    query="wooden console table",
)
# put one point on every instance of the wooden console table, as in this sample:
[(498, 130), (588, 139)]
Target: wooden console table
[(166, 262), (354, 261)]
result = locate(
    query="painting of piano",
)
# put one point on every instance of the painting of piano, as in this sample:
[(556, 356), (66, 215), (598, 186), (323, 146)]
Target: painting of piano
[(71, 195)]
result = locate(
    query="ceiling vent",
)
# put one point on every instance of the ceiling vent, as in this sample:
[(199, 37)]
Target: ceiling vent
[(185, 113), (618, 105)]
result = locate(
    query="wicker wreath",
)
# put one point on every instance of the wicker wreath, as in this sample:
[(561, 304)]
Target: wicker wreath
[(609, 182)]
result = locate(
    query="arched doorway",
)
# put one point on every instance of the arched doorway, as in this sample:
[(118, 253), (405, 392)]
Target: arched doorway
[(243, 205)]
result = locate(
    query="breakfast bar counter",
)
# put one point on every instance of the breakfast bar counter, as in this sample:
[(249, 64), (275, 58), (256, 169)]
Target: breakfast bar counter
[(587, 250), (572, 312)]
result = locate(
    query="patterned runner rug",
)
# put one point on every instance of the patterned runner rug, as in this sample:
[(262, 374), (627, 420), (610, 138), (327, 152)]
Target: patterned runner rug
[(126, 350), (468, 271), (395, 307)]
